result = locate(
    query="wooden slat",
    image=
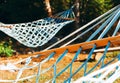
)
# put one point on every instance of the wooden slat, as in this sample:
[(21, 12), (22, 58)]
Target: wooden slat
[(85, 45), (74, 48), (6, 26)]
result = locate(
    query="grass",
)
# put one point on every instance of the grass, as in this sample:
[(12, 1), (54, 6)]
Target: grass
[(6, 49)]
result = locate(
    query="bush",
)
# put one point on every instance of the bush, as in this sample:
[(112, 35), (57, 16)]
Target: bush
[(6, 49)]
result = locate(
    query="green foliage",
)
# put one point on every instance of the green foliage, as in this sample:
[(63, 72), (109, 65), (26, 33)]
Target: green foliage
[(60, 5), (13, 11), (91, 9), (5, 49)]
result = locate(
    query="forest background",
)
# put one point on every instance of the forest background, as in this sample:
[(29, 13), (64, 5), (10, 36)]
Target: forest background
[(15, 11), (20, 11)]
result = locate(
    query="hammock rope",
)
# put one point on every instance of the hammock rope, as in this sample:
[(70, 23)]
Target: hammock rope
[(38, 65), (37, 33), (104, 19), (105, 75), (91, 45)]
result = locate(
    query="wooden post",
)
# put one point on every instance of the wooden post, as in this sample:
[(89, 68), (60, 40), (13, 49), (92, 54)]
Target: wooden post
[(48, 7)]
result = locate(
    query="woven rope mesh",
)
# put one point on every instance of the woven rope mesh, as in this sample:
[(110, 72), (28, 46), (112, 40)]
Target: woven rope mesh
[(37, 33), (106, 75), (28, 65)]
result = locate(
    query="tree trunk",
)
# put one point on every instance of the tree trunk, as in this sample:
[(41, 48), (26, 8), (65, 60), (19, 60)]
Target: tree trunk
[(77, 12), (48, 7)]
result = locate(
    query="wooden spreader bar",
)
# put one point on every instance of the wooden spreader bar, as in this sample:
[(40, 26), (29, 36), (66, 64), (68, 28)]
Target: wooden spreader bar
[(84, 46)]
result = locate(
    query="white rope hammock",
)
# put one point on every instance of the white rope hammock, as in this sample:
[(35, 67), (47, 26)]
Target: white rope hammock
[(37, 33), (106, 75)]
